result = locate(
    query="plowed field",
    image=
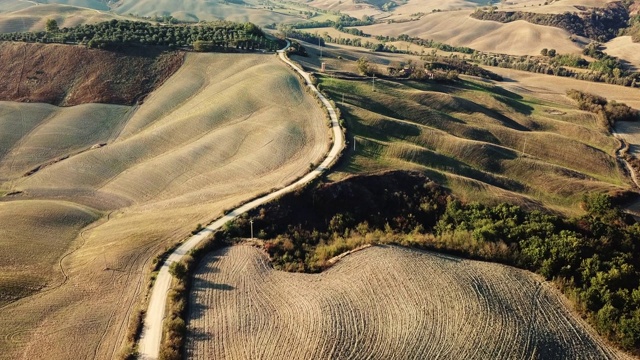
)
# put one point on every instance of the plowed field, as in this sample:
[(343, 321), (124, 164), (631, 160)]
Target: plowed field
[(380, 303)]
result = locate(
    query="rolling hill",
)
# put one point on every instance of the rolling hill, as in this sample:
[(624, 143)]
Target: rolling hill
[(30, 17), (202, 142)]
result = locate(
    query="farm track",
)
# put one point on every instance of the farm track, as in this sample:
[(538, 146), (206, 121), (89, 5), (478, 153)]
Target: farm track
[(380, 303), (151, 336)]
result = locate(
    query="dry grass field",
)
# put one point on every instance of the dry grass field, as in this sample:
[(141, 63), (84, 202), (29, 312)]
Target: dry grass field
[(221, 130), (30, 17), (554, 88), (33, 135), (380, 303), (459, 29), (196, 10), (623, 48)]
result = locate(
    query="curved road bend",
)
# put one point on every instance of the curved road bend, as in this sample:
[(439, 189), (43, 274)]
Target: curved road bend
[(149, 345)]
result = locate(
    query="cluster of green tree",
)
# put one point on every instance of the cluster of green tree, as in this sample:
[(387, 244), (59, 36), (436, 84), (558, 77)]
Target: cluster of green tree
[(296, 49), (570, 60), (601, 24), (610, 111), (343, 21), (428, 43), (306, 37), (604, 63), (461, 66), (352, 31), (441, 69), (222, 35), (595, 257), (634, 28)]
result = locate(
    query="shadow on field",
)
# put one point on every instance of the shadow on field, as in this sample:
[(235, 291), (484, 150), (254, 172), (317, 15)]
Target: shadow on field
[(197, 310)]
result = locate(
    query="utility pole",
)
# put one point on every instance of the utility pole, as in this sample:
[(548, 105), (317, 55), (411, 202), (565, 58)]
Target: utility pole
[(354, 143), (251, 222), (342, 99)]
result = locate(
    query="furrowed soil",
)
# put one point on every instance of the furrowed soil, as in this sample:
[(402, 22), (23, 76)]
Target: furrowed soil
[(113, 190), (67, 75), (380, 303)]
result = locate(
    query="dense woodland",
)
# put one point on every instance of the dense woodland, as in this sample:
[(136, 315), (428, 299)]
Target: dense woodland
[(221, 36), (594, 258), (601, 24)]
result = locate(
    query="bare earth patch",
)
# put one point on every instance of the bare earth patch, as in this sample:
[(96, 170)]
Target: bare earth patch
[(68, 75), (380, 303)]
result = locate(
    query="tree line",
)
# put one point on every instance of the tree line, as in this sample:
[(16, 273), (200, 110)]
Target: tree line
[(606, 68), (220, 35)]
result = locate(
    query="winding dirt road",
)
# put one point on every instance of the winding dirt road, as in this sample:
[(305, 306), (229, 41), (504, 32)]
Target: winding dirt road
[(149, 345)]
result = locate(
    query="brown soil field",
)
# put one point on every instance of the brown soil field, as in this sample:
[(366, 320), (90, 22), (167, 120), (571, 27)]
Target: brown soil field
[(222, 129), (25, 16), (69, 75), (380, 303), (457, 28)]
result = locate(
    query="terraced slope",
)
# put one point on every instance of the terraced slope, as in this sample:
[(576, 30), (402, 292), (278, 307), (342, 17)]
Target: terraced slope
[(380, 303), (221, 130)]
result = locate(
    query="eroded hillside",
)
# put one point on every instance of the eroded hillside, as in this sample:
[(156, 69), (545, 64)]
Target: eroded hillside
[(66, 75)]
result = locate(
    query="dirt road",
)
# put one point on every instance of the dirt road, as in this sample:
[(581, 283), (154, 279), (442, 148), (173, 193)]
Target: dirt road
[(149, 344)]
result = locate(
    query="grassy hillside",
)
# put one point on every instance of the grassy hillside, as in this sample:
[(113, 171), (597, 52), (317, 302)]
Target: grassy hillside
[(221, 130), (482, 141), (70, 75)]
